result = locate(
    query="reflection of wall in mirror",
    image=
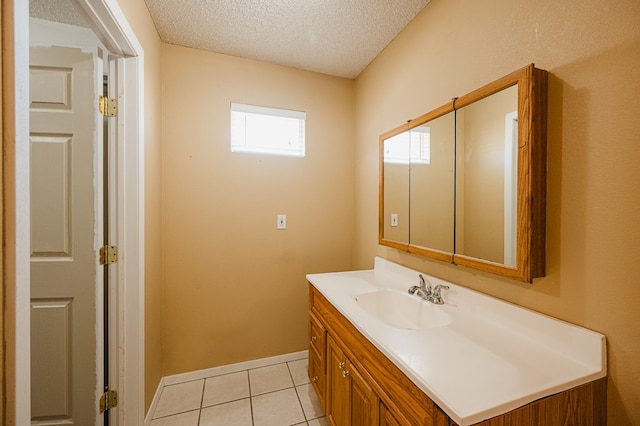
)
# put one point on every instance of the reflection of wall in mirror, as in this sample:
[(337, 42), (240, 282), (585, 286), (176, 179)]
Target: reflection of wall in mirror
[(431, 196), (396, 201), (482, 125)]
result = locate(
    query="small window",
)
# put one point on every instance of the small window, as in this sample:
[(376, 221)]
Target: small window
[(263, 130)]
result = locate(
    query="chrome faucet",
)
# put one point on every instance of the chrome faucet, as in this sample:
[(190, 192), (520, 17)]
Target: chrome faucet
[(436, 296), (426, 292)]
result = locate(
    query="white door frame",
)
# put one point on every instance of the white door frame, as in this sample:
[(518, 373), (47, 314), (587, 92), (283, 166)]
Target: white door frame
[(111, 26)]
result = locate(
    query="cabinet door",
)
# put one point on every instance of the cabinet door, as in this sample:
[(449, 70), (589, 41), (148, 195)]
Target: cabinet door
[(317, 377), (350, 399), (386, 417), (317, 337), (337, 385), (317, 357), (363, 401)]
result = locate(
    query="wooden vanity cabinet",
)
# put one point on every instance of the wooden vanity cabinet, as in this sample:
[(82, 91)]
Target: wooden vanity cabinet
[(359, 379), (358, 385)]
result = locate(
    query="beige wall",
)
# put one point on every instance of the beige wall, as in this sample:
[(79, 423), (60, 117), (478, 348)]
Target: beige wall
[(592, 51), (234, 287), (138, 17)]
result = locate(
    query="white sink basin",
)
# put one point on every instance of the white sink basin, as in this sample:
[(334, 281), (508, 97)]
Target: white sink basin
[(401, 310)]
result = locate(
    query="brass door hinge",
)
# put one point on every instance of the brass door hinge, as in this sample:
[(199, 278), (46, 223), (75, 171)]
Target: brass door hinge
[(108, 255), (108, 400), (108, 106)]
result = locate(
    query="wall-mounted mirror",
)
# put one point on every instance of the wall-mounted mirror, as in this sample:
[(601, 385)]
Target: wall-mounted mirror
[(485, 208)]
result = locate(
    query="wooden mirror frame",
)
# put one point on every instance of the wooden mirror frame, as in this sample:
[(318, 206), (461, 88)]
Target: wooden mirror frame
[(531, 181)]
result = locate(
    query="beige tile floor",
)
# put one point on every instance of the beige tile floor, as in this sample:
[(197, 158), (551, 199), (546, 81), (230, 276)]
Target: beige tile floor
[(275, 395)]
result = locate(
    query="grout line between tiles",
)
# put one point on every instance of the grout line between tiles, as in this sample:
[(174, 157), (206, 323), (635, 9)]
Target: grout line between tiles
[(295, 389), (300, 402), (253, 420), (231, 369), (204, 386)]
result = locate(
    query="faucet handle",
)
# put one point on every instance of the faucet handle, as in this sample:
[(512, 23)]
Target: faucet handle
[(437, 293), (438, 288)]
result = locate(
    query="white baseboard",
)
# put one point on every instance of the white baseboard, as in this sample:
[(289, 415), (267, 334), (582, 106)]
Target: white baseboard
[(217, 371)]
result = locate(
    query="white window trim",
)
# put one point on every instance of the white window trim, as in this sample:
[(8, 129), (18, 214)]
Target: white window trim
[(274, 112)]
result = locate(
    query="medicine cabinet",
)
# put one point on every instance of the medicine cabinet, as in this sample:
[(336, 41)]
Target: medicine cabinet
[(466, 182)]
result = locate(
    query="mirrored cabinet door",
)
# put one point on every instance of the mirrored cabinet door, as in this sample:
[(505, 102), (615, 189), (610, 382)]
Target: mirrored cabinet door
[(486, 181), (501, 176), (431, 194), (417, 185)]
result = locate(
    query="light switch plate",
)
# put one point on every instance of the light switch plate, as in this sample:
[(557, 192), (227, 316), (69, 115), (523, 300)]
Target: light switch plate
[(282, 221), (394, 219)]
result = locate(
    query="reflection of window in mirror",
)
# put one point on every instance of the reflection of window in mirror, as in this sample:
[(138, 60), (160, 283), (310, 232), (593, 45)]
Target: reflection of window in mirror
[(421, 145), (395, 148)]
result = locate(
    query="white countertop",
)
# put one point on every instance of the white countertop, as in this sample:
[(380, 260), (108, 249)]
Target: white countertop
[(491, 358)]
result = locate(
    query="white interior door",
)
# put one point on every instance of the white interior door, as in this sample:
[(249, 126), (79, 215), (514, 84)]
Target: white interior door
[(65, 199)]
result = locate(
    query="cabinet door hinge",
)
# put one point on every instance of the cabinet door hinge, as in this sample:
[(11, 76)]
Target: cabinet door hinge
[(108, 106), (108, 255), (108, 400)]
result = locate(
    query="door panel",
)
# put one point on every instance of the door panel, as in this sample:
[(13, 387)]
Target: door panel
[(64, 235), (50, 87), (52, 357), (51, 197)]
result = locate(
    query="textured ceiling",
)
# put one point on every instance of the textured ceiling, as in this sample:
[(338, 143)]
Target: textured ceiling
[(61, 11), (336, 37)]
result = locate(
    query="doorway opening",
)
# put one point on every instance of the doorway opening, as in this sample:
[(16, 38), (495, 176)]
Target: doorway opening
[(126, 337)]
